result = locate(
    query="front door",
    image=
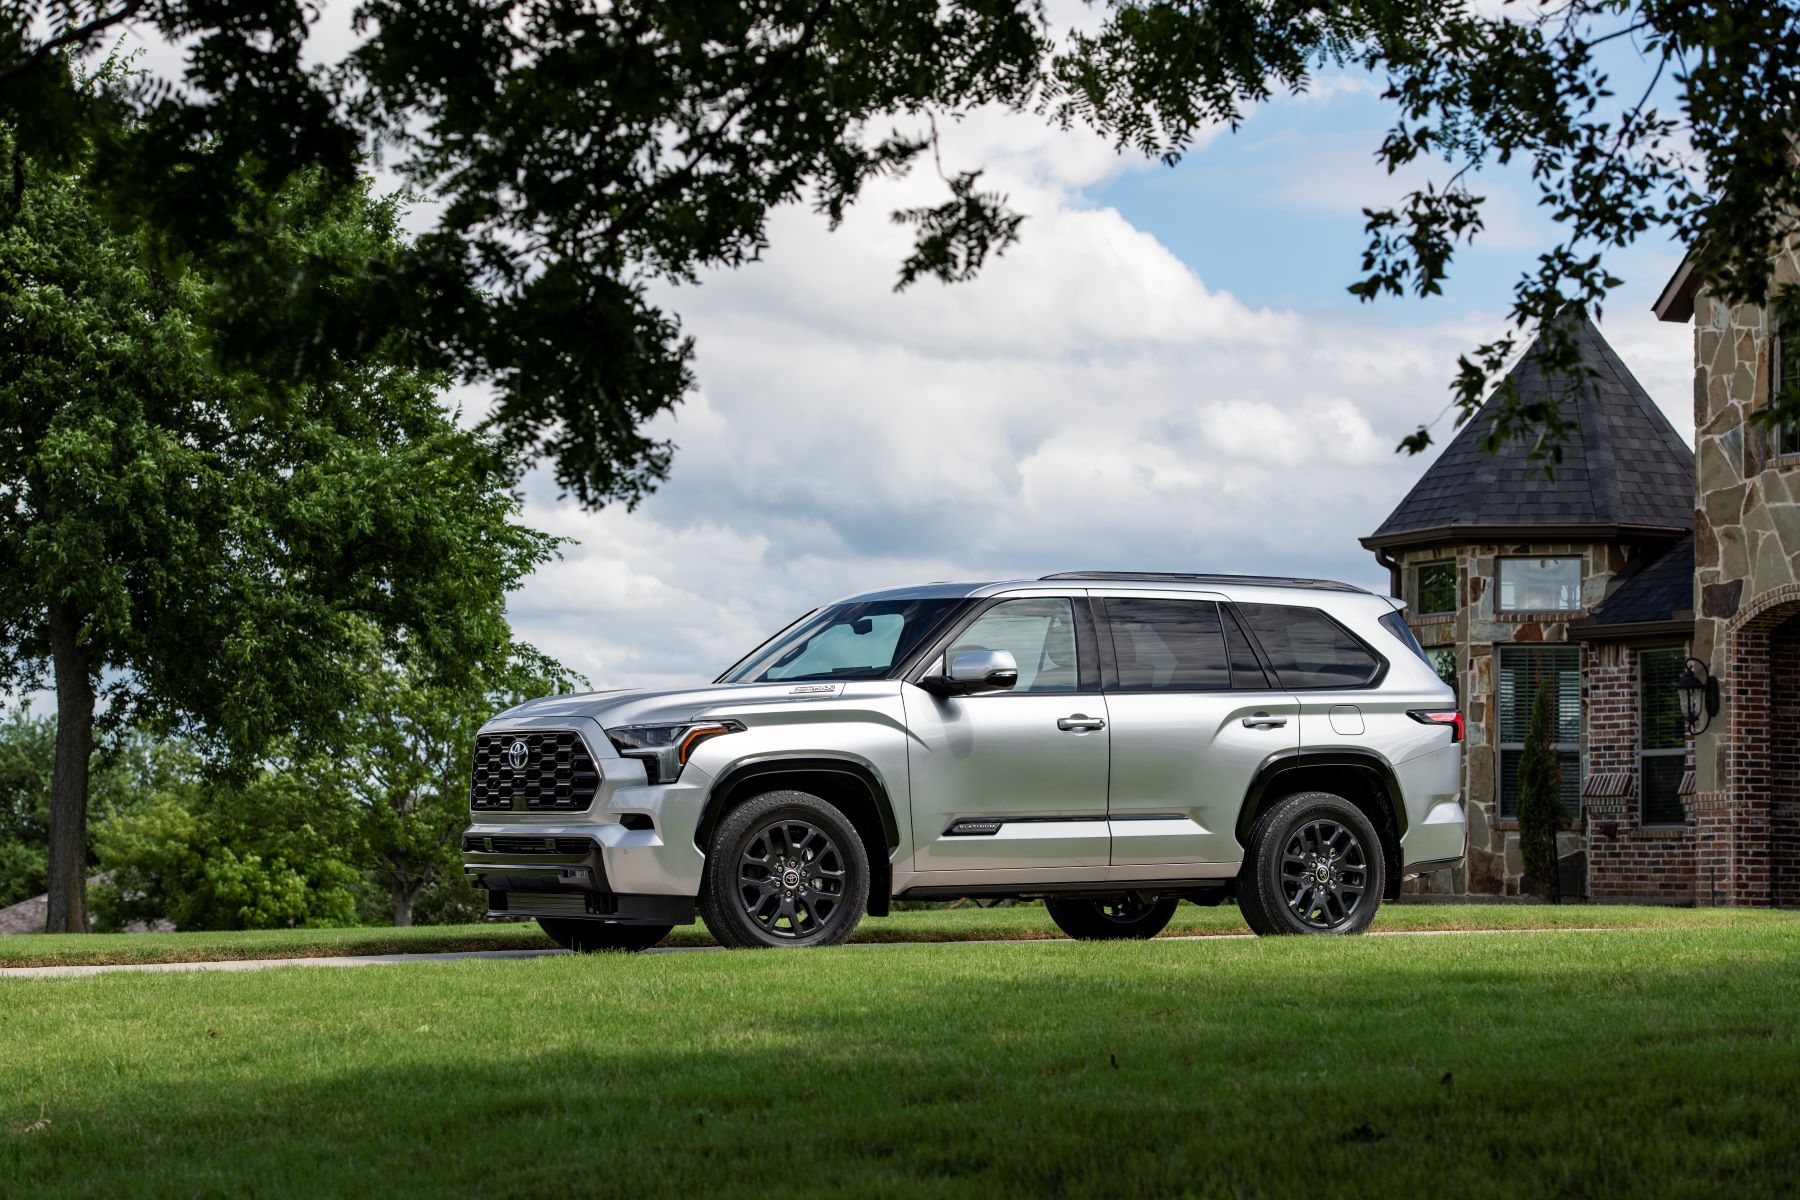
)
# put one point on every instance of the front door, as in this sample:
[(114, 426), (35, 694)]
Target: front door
[(1015, 779), (1193, 717)]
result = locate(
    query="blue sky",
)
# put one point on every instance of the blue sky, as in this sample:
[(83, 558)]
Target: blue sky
[(1167, 374)]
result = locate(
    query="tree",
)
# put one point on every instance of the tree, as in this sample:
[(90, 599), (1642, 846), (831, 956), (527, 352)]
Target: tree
[(265, 849), (189, 547), (584, 150), (126, 768), (403, 766), (1541, 809)]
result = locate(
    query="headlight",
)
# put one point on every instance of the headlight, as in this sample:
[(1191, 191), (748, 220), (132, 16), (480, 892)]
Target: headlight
[(665, 749)]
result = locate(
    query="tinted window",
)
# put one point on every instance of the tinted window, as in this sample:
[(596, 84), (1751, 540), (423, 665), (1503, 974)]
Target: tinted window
[(846, 641), (1308, 649), (1040, 635), (1246, 671), (1168, 645)]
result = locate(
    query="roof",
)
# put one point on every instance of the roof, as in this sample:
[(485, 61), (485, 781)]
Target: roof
[(1676, 302), (1625, 472), (1652, 593)]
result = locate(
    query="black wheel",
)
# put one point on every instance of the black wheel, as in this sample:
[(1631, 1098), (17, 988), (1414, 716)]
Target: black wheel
[(784, 869), (1132, 915), (588, 937), (1314, 866)]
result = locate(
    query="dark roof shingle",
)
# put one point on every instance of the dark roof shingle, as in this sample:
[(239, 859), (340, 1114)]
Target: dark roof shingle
[(1623, 464), (1661, 590)]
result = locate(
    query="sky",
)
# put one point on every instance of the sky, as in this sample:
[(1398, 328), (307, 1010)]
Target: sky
[(1165, 374)]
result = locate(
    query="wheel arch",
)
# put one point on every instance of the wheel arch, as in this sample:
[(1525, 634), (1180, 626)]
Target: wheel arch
[(852, 786), (1362, 777)]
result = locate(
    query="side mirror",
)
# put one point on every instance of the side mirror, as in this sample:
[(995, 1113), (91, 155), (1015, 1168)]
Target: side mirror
[(974, 671)]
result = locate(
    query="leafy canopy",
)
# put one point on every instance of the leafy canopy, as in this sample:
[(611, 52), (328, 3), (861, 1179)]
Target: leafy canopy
[(231, 553), (583, 150)]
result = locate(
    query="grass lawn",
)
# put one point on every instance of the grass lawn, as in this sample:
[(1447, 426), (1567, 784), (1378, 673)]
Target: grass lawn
[(1658, 1061), (932, 925)]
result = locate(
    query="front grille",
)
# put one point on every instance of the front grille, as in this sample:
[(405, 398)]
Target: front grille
[(529, 845), (557, 775)]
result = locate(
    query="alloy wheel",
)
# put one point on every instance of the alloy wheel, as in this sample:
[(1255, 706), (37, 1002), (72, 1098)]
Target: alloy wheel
[(1324, 872), (791, 879)]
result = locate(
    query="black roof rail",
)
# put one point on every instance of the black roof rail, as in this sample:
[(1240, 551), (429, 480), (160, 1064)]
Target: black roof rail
[(1317, 585)]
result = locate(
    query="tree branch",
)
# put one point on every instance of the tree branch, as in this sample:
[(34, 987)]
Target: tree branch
[(80, 33)]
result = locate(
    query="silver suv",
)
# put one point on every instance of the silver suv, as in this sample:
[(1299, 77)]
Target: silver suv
[(1113, 743)]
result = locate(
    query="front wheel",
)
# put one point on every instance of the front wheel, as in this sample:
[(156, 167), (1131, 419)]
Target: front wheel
[(1314, 866), (1129, 916), (589, 937), (784, 869)]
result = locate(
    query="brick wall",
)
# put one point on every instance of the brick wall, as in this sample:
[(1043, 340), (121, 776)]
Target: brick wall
[(1627, 861)]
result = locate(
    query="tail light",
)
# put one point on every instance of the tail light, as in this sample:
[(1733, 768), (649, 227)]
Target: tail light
[(1451, 718)]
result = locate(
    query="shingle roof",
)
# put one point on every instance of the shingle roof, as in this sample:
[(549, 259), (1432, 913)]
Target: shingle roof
[(1655, 592), (1623, 465)]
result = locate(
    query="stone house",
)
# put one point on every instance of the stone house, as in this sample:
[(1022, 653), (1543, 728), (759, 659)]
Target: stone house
[(1746, 807), (1583, 580)]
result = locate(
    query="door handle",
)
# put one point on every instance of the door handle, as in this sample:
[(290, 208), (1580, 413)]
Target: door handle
[(1080, 723), (1264, 721)]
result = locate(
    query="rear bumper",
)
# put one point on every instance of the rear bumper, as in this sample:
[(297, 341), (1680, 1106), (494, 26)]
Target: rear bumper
[(1437, 828)]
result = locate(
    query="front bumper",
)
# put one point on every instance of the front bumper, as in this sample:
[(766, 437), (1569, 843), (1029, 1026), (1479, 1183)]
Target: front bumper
[(537, 872)]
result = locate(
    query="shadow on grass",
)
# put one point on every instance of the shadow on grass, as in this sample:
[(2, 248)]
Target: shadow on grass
[(1607, 1065)]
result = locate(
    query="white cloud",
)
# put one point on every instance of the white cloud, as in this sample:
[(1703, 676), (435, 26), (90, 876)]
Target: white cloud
[(1087, 402)]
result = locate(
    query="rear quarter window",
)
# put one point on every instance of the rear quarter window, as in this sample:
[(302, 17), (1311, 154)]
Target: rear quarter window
[(1307, 649)]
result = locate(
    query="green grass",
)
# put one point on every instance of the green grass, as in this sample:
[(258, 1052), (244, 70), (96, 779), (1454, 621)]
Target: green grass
[(931, 925), (1659, 1061)]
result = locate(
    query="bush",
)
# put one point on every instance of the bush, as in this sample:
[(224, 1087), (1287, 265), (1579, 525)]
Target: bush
[(1541, 811)]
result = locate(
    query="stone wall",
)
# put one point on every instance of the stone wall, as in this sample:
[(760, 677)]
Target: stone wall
[(1626, 861), (1475, 631), (1747, 584)]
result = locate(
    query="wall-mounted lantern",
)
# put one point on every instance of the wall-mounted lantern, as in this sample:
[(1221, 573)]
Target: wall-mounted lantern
[(1699, 696)]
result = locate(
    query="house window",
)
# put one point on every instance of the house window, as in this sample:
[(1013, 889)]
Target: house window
[(1436, 588), (1521, 671), (1540, 585), (1785, 367), (1662, 737), (1443, 661)]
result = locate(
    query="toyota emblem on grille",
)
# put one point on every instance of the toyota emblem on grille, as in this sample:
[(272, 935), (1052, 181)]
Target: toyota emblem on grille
[(518, 754)]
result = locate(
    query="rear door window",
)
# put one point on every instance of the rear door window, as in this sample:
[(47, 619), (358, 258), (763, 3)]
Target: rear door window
[(1168, 645), (1307, 649)]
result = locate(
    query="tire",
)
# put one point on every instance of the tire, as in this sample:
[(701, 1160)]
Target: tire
[(589, 937), (1130, 916), (784, 869), (1314, 866)]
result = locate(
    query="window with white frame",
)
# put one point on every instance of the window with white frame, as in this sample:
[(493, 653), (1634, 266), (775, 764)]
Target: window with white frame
[(1540, 585), (1521, 670)]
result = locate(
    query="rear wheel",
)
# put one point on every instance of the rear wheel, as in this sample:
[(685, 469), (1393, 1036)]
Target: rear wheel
[(1132, 915), (588, 937), (784, 869), (1314, 866)]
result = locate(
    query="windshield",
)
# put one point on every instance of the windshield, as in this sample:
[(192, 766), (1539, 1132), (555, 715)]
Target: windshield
[(845, 641)]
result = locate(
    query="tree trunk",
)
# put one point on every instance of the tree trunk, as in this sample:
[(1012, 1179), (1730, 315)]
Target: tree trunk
[(404, 895), (69, 779)]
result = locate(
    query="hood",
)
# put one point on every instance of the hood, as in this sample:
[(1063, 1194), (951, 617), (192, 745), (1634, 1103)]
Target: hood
[(624, 707)]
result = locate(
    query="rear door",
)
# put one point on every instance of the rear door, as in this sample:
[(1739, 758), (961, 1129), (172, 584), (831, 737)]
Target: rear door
[(1193, 714), (1014, 780)]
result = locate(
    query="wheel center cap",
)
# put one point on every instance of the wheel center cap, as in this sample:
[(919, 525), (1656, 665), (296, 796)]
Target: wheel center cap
[(790, 878)]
